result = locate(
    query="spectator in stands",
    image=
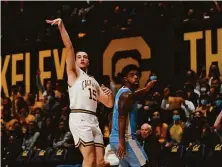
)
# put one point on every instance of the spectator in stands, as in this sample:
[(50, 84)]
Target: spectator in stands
[(212, 94), (204, 105), (20, 111), (175, 130), (65, 114), (31, 100), (58, 90), (216, 83), (45, 90), (197, 132), (218, 103), (31, 137), (214, 109), (52, 107), (158, 86), (144, 133), (159, 128), (187, 107), (38, 113), (150, 104), (166, 94), (6, 109), (191, 77), (14, 129), (12, 147), (149, 144), (190, 94), (21, 91), (204, 88), (62, 136), (47, 134), (214, 72)]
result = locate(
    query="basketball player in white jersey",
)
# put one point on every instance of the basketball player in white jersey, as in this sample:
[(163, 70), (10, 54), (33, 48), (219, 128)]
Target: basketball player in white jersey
[(84, 92)]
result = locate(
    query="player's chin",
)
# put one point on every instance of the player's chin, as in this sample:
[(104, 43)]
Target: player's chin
[(82, 66), (136, 84)]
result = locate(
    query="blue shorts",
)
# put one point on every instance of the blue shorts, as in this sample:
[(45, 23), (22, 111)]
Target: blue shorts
[(135, 154)]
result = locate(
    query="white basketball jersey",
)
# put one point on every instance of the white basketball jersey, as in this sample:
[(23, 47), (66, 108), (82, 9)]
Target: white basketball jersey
[(84, 93)]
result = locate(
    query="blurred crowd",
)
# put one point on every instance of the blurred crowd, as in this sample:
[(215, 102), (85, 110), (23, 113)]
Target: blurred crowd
[(188, 118)]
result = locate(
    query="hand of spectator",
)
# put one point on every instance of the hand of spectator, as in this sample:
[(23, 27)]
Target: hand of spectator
[(146, 108), (68, 145), (212, 129), (168, 144), (64, 108)]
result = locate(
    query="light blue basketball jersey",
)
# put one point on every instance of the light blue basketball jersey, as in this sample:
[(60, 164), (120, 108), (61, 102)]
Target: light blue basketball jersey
[(131, 120)]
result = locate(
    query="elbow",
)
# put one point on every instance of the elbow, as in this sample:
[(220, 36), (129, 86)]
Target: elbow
[(69, 46)]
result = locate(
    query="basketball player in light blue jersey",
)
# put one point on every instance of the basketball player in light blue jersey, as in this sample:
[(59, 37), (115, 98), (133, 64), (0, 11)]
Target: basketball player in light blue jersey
[(124, 123)]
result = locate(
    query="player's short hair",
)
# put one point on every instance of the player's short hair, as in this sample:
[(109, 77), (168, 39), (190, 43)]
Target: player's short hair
[(129, 68), (81, 50)]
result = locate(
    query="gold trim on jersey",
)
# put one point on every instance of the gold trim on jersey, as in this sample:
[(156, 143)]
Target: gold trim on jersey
[(82, 111), (84, 143), (99, 145)]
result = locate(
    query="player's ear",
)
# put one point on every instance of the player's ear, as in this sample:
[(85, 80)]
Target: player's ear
[(125, 79)]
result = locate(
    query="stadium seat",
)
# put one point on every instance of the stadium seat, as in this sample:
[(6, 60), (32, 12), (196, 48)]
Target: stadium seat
[(173, 156), (25, 157), (194, 155), (41, 156)]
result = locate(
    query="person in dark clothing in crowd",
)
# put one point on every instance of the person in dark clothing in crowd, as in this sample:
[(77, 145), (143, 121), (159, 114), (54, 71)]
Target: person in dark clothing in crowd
[(31, 137), (214, 72), (216, 83), (191, 77), (197, 128), (47, 134), (62, 136), (52, 107), (13, 144), (6, 109), (190, 94), (159, 131), (147, 141)]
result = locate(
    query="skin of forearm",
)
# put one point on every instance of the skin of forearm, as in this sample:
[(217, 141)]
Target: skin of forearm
[(65, 37), (122, 128)]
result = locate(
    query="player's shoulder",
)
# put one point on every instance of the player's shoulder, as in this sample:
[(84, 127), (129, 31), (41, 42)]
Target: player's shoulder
[(125, 93), (93, 78)]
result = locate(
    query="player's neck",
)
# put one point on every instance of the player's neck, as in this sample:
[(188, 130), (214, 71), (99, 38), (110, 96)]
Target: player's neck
[(85, 70), (128, 86)]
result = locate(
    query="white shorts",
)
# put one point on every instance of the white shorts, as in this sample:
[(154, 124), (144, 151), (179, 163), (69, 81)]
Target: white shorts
[(85, 129)]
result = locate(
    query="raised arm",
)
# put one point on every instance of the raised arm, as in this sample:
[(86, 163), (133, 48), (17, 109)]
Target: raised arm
[(137, 95), (71, 68), (38, 82)]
